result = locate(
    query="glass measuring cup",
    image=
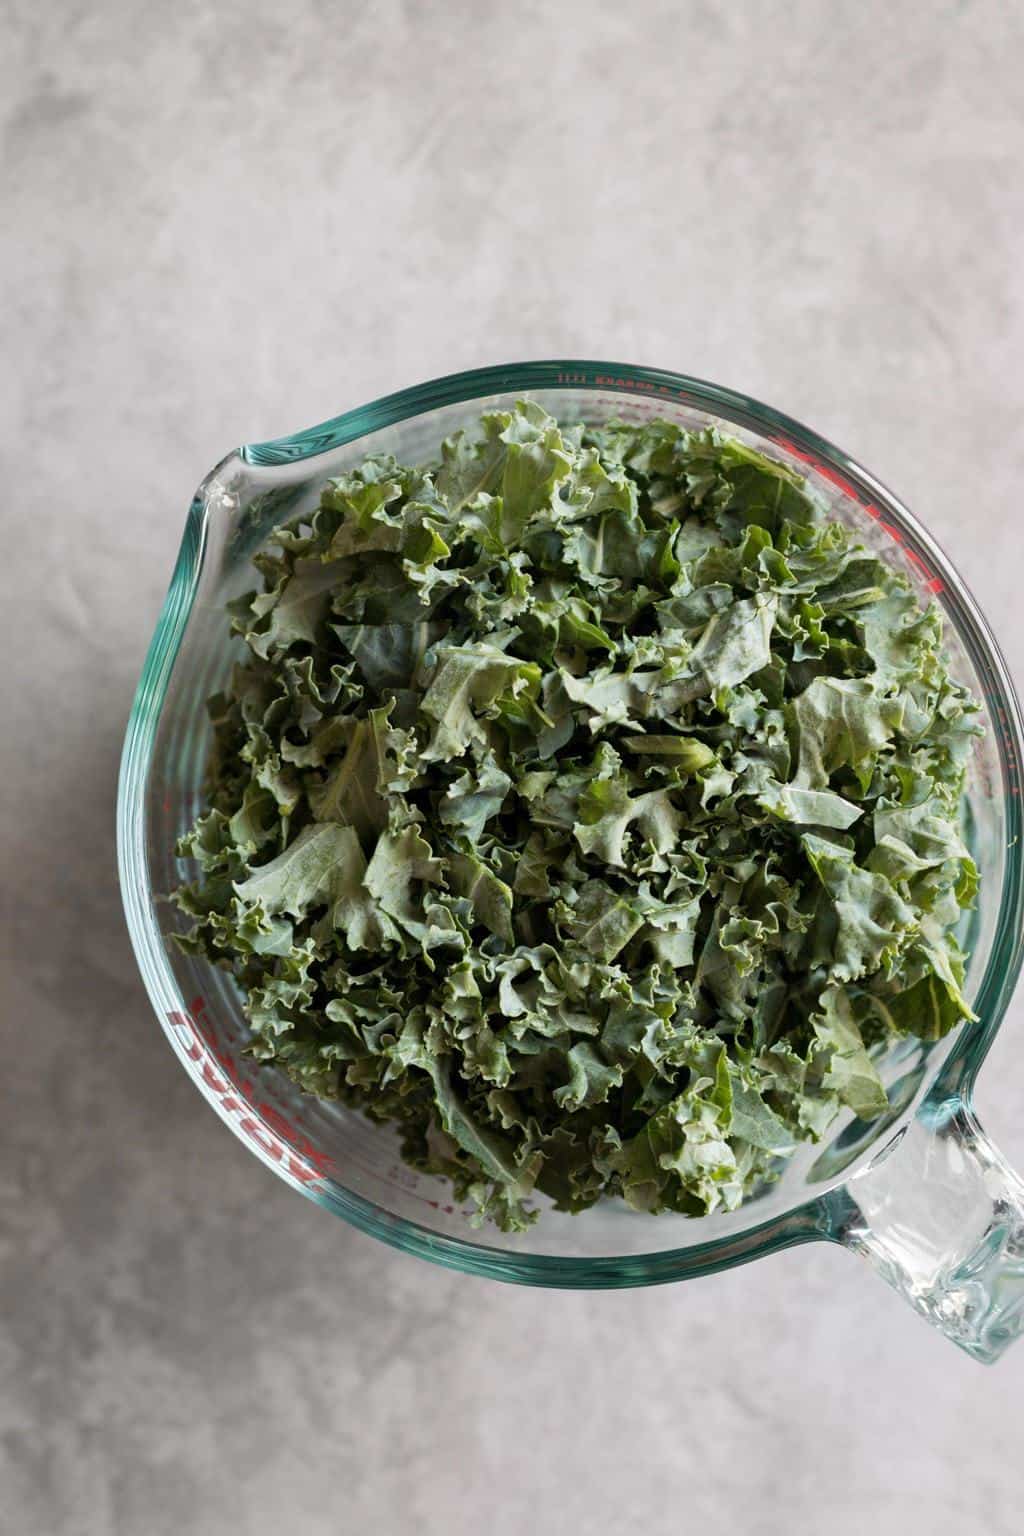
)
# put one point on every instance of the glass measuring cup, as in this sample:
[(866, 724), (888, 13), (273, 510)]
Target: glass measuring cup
[(920, 1191)]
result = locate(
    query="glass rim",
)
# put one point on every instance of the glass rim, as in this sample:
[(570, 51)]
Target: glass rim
[(818, 1215)]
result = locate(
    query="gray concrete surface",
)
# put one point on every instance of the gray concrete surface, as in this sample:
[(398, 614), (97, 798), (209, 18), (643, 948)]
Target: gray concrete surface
[(223, 221)]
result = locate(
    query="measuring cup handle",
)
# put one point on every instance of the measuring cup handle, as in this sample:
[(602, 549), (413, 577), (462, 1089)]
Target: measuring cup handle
[(940, 1216)]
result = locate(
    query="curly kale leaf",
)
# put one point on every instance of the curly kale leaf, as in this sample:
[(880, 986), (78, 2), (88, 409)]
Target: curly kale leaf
[(587, 804)]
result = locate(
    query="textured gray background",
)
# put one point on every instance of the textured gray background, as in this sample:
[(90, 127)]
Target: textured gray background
[(223, 222)]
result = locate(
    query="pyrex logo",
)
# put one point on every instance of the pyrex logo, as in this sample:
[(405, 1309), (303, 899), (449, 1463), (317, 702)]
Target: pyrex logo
[(259, 1122)]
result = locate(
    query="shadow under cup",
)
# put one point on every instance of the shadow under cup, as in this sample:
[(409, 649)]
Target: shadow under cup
[(332, 1152)]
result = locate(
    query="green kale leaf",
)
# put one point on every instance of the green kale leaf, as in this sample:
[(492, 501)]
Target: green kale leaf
[(586, 803)]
